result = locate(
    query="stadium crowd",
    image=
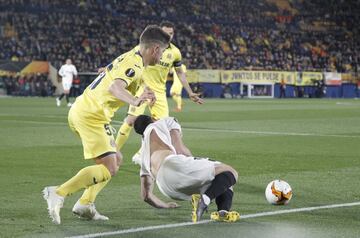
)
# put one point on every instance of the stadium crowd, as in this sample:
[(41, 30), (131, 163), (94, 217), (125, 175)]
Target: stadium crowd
[(27, 85), (212, 34)]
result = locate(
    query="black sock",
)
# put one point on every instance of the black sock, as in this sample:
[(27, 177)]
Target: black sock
[(224, 201), (67, 98), (61, 96), (220, 184)]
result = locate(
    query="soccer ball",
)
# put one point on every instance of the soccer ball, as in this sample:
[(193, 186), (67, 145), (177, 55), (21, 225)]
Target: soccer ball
[(278, 192)]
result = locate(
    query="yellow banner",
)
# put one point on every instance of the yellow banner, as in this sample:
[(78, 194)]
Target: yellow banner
[(7, 73), (209, 76), (232, 76), (203, 76), (308, 78), (192, 76), (252, 77)]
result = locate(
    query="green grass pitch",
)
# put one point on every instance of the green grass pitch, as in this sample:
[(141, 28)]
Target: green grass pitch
[(312, 144)]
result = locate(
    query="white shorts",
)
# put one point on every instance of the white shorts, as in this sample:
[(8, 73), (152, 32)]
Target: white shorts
[(66, 84), (179, 176)]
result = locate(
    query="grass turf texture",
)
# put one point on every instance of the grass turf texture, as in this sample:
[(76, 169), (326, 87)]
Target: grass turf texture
[(320, 160)]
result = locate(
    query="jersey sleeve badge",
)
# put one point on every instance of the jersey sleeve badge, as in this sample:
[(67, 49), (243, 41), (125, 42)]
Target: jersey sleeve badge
[(130, 72)]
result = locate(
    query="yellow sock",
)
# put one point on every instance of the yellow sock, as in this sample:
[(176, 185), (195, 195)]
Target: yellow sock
[(178, 100), (123, 135), (91, 192), (83, 179)]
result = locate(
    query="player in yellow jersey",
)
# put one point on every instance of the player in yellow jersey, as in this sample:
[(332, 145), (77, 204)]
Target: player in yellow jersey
[(176, 89), (90, 117), (155, 78)]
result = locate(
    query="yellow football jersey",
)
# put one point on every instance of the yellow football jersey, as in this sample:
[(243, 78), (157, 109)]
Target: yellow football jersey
[(97, 103), (155, 76)]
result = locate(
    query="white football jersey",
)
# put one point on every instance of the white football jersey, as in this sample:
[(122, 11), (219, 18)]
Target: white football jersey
[(67, 72), (162, 128)]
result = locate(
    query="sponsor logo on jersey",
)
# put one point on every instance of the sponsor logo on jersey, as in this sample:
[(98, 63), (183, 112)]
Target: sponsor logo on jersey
[(130, 72)]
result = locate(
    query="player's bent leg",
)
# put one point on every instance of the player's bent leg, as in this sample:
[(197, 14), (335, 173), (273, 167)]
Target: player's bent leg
[(110, 161), (85, 206), (90, 194), (225, 177), (224, 200), (220, 168), (124, 131), (86, 177)]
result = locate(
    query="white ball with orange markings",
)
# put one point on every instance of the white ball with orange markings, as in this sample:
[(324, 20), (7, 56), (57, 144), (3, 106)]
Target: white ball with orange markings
[(278, 192)]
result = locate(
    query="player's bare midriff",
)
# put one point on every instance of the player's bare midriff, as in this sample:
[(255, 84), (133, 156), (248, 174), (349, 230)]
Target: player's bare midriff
[(158, 152)]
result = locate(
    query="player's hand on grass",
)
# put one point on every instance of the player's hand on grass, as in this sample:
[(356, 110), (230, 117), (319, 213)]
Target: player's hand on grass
[(195, 98)]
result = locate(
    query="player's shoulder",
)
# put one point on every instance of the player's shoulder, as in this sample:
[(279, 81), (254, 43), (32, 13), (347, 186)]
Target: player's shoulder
[(131, 58), (175, 52), (174, 48)]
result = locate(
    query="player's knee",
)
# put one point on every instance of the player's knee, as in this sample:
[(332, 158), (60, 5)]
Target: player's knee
[(110, 162), (229, 171), (235, 174), (113, 170), (230, 176)]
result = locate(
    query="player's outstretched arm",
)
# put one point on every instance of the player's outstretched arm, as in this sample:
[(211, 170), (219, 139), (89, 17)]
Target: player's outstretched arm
[(178, 143), (147, 186), (193, 96)]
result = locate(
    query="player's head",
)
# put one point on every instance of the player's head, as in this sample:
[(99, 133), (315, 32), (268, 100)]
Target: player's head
[(168, 27), (141, 123), (68, 61), (153, 42)]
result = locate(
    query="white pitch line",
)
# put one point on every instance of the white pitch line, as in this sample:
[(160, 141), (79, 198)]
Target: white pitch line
[(38, 122), (242, 217), (209, 130), (270, 133)]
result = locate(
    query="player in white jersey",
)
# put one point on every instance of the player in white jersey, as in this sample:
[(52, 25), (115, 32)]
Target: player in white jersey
[(67, 72), (165, 159)]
